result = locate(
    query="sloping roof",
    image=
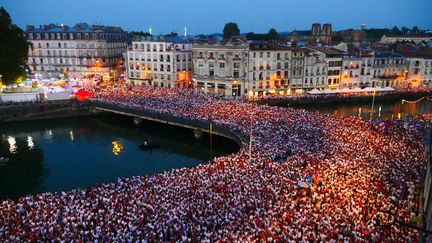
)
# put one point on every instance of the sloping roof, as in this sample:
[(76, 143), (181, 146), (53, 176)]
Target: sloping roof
[(327, 50), (80, 27), (267, 46), (387, 54)]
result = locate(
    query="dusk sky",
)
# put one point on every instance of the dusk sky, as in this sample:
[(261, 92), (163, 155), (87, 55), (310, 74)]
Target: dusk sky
[(207, 17)]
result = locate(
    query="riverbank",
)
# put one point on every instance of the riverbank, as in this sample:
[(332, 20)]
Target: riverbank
[(15, 112), (335, 99)]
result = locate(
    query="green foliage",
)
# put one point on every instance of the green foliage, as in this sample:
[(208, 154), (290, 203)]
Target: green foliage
[(376, 33), (139, 33), (395, 31), (13, 49), (271, 35), (231, 29), (337, 37), (405, 30)]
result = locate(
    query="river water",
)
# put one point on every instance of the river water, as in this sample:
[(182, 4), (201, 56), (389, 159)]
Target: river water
[(64, 154), (382, 110)]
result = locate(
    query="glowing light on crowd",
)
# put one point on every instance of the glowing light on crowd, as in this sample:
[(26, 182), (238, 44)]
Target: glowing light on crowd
[(30, 143), (12, 144), (117, 147)]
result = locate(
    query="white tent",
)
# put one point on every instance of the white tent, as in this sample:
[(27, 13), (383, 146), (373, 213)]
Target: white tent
[(356, 90), (314, 91), (344, 90), (368, 89), (388, 89), (379, 89), (329, 91)]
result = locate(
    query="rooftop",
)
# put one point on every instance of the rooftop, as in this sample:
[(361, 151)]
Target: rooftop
[(387, 54), (329, 51), (269, 46), (80, 27)]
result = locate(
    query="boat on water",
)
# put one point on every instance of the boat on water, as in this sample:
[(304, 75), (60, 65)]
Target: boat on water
[(146, 145), (3, 161)]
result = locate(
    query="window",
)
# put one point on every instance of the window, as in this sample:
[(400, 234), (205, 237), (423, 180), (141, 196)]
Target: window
[(211, 69), (236, 73), (236, 65), (268, 54), (201, 69), (222, 69)]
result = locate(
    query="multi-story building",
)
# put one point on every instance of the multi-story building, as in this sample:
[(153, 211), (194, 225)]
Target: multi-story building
[(333, 58), (389, 70), (390, 39), (221, 68), (297, 68), (315, 70), (419, 71), (76, 52), (351, 72), (268, 69), (160, 62)]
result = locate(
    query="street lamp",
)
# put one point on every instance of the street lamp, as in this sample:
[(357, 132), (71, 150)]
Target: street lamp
[(373, 103)]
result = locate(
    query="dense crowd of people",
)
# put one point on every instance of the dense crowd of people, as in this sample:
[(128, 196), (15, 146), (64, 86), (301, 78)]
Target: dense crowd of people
[(340, 181)]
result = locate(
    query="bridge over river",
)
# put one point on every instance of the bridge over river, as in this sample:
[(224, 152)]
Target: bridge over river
[(198, 126)]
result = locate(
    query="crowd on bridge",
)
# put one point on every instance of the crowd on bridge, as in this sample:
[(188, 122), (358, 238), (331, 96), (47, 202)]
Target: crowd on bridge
[(340, 182)]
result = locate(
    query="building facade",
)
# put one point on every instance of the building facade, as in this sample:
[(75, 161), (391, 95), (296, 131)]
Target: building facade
[(419, 71), (297, 68), (76, 52), (351, 75), (160, 62), (389, 69), (333, 58), (315, 70), (268, 69), (390, 39), (221, 68)]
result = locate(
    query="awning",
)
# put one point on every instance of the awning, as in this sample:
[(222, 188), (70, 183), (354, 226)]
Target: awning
[(329, 91), (388, 89), (344, 90), (314, 91)]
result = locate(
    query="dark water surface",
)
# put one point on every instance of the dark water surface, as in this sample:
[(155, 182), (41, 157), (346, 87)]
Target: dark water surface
[(382, 110), (64, 154)]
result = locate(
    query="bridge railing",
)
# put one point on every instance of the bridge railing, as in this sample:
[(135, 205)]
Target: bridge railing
[(203, 125)]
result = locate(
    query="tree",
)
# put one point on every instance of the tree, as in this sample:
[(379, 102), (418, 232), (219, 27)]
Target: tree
[(231, 29), (140, 33), (250, 36), (415, 30), (405, 30), (273, 34), (13, 49), (395, 31)]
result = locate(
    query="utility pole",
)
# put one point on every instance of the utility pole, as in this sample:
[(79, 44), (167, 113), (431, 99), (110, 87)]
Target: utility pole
[(250, 147), (373, 103), (211, 140)]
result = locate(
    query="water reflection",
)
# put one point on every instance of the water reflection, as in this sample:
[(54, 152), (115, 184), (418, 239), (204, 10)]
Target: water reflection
[(86, 151), (117, 147), (386, 110), (30, 143), (12, 144)]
